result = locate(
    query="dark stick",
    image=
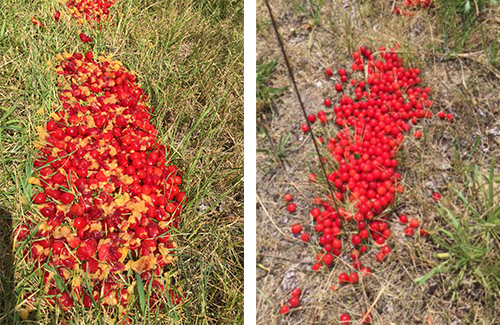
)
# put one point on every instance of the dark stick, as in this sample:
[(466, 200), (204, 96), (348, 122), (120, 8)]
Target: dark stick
[(290, 72)]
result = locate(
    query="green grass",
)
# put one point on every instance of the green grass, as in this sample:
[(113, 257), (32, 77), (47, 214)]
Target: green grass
[(470, 243), (266, 93), (188, 55), (460, 20)]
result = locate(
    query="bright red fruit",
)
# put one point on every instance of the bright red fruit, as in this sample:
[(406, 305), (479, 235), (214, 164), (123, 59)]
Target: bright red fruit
[(284, 309), (296, 229), (294, 302), (345, 319), (288, 197), (296, 292), (291, 207)]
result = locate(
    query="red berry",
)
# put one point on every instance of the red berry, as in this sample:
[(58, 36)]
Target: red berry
[(288, 197), (311, 118), (327, 102), (403, 219), (67, 198), (366, 271), (296, 229), (354, 278), (449, 117), (414, 223), (304, 237), (380, 256), (338, 87), (343, 278), (441, 115), (409, 231), (417, 134), (304, 128), (328, 259), (328, 72), (296, 292), (284, 309), (294, 302), (436, 196), (291, 207), (345, 319), (316, 266), (386, 250), (57, 15), (356, 240), (39, 198)]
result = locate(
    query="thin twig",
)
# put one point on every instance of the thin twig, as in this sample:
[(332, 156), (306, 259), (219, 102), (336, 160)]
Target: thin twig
[(292, 78)]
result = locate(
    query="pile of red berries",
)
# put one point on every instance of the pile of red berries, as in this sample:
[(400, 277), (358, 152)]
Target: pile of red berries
[(107, 199), (407, 7), (372, 115), (293, 302), (90, 10)]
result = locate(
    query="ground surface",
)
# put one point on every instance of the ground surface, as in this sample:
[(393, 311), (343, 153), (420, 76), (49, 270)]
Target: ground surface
[(188, 55), (323, 34)]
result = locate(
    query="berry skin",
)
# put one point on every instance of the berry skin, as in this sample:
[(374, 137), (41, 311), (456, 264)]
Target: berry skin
[(296, 229), (436, 196), (345, 319), (311, 118), (304, 128), (328, 72), (288, 197), (417, 134), (414, 223), (39, 198), (296, 292), (342, 72), (423, 232), (449, 117), (327, 102), (294, 302), (328, 259), (386, 250), (403, 219), (291, 207), (409, 231), (338, 87), (284, 309), (441, 115), (343, 278), (304, 237), (67, 198), (356, 240), (354, 278), (380, 256), (316, 266)]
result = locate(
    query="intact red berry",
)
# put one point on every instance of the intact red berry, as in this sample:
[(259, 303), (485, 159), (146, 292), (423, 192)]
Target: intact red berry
[(345, 319), (353, 278), (296, 292), (311, 118), (291, 207), (304, 128), (343, 278), (284, 309), (316, 266), (414, 223), (327, 102), (294, 302), (296, 229), (436, 196), (288, 197), (403, 219), (338, 87), (417, 134), (57, 15), (39, 198), (304, 237), (328, 72), (409, 231)]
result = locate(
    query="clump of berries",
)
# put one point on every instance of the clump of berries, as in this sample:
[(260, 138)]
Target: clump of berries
[(408, 7), (107, 198), (380, 101), (93, 11)]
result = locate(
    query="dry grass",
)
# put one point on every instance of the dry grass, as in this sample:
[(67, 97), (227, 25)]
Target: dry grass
[(465, 84), (188, 55)]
